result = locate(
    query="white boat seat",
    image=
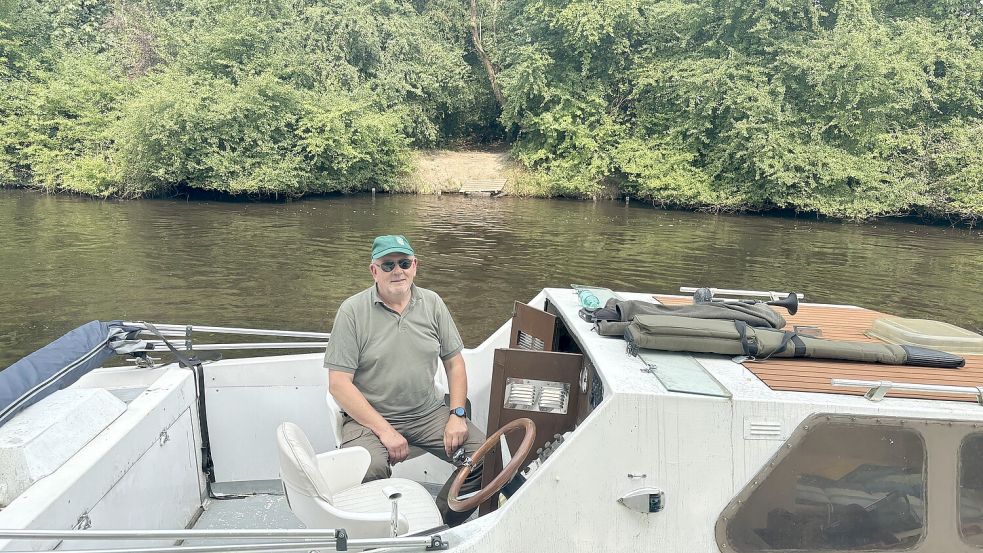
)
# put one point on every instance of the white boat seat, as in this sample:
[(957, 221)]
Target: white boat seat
[(416, 503), (326, 490)]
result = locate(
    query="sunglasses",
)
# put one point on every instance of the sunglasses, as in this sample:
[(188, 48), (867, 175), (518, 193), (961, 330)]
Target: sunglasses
[(388, 266)]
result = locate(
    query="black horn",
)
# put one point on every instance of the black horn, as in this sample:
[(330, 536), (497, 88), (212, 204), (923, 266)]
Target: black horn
[(791, 302)]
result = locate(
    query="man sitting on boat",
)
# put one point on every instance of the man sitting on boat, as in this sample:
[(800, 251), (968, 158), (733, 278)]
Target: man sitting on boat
[(382, 358)]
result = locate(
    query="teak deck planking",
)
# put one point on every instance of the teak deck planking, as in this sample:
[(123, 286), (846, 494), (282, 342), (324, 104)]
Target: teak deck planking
[(847, 323)]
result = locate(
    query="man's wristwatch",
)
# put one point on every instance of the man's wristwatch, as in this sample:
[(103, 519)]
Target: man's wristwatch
[(459, 411)]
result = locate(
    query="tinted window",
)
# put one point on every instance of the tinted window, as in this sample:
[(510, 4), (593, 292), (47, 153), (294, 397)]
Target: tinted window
[(971, 490), (844, 487)]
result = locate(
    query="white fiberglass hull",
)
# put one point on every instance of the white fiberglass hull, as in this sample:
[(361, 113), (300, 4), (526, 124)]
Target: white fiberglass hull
[(144, 470)]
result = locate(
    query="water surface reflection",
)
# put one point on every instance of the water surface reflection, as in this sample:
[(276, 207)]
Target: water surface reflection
[(64, 260)]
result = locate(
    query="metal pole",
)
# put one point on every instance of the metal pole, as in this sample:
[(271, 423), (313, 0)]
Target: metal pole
[(420, 543), (235, 330), (358, 544), (877, 389), (299, 546), (166, 534), (752, 293), (394, 523), (935, 388), (159, 346), (168, 333)]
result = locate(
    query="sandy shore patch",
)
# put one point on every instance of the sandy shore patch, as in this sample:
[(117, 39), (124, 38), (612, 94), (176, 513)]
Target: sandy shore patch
[(448, 170)]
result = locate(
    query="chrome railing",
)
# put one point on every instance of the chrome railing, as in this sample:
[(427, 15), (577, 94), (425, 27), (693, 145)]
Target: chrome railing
[(298, 540), (877, 389), (180, 336), (745, 293), (182, 330), (158, 345)]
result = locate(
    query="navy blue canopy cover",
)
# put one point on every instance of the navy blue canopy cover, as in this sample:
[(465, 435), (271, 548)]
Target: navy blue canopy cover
[(58, 365)]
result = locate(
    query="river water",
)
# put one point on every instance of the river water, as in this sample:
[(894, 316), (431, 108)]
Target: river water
[(66, 260)]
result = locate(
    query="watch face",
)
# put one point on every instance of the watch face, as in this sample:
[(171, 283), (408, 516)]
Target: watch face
[(459, 411)]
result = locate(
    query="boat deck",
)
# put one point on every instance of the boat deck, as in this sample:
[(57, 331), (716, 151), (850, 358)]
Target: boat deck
[(260, 511), (850, 323), (264, 507)]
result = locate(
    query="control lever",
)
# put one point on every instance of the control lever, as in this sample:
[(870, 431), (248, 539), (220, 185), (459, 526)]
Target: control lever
[(459, 457), (543, 453), (549, 448)]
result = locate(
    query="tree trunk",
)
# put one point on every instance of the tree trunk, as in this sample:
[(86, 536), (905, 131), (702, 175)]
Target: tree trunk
[(476, 38)]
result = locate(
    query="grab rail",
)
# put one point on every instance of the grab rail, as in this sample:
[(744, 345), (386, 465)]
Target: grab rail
[(747, 293), (180, 337), (183, 330), (879, 388), (187, 534), (158, 345), (337, 539)]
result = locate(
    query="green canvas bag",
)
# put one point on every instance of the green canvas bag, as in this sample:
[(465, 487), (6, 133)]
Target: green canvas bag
[(672, 333)]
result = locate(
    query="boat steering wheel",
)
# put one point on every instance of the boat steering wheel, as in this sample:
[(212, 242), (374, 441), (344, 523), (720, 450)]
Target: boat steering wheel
[(528, 439)]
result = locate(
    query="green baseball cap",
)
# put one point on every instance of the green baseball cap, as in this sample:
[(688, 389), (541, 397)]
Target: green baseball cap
[(390, 243)]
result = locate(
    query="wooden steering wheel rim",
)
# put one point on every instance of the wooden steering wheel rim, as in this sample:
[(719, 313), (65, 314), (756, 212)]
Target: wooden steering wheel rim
[(528, 439)]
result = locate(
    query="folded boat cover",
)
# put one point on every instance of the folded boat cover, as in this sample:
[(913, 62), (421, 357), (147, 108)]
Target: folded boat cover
[(665, 332), (613, 318), (58, 365)]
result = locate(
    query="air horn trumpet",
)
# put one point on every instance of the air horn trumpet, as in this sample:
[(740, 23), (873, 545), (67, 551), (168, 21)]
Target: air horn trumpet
[(789, 302)]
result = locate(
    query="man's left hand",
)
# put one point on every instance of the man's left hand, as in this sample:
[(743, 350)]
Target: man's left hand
[(455, 434)]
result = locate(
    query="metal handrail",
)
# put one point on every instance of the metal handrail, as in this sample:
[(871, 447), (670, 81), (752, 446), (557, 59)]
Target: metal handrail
[(187, 534), (336, 539), (181, 338), (183, 329), (298, 546), (748, 293), (158, 345), (877, 389)]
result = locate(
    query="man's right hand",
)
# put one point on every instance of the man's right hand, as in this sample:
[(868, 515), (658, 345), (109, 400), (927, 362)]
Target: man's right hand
[(396, 445)]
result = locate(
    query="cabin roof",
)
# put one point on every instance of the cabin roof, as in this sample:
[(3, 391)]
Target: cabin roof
[(840, 322), (781, 380)]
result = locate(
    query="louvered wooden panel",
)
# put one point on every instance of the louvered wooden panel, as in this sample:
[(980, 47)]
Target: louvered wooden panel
[(843, 323)]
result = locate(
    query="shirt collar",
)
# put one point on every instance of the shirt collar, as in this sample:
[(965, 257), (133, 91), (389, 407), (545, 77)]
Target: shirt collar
[(376, 298)]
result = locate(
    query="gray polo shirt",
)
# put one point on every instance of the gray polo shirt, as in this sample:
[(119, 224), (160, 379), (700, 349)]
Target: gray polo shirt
[(394, 357)]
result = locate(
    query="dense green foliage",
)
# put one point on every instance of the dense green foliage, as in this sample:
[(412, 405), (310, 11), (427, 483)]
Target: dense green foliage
[(848, 108), (266, 97)]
